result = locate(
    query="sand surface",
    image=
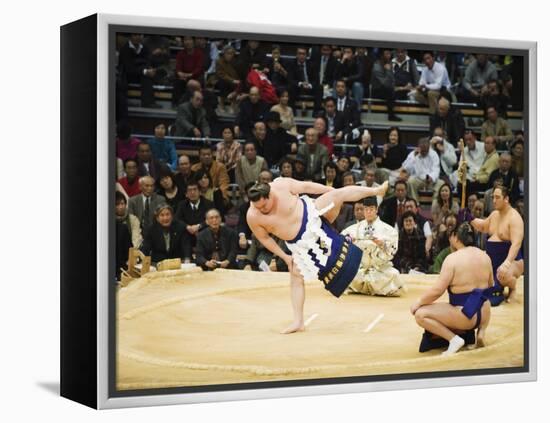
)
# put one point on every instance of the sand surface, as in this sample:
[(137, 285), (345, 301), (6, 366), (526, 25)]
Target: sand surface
[(181, 328)]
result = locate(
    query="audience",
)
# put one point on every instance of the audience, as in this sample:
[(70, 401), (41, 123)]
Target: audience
[(449, 120), (228, 151), (170, 190), (315, 154), (393, 208), (303, 78), (217, 244), (476, 78), (405, 74), (147, 164), (496, 127), (443, 204), (167, 238), (126, 145), (509, 177), (251, 110), (129, 220), (143, 206), (217, 171), (184, 174), (163, 150), (383, 82), (394, 153), (190, 63), (228, 80), (191, 118), (422, 168), (249, 166), (433, 81), (411, 255), (130, 183), (286, 114)]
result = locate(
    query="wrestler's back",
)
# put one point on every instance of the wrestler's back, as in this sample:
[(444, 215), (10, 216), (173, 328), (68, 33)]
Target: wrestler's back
[(471, 269), (285, 219), (499, 225)]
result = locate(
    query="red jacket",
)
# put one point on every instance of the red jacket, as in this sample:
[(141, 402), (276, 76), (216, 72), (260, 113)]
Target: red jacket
[(190, 63), (327, 142), (267, 90)]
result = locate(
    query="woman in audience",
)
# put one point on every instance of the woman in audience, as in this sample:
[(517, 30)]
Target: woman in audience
[(443, 204), (169, 189), (287, 168), (208, 191), (286, 113), (394, 153), (332, 176)]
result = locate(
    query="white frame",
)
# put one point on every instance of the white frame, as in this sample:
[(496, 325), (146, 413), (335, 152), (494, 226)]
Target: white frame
[(103, 213)]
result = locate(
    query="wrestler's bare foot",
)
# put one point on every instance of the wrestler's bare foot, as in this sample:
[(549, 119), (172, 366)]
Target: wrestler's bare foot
[(294, 327), (480, 343), (381, 190)]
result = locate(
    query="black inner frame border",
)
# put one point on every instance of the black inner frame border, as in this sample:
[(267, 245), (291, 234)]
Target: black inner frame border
[(113, 29)]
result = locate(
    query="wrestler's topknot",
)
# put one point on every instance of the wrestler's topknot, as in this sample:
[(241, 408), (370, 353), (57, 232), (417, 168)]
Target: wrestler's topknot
[(257, 191)]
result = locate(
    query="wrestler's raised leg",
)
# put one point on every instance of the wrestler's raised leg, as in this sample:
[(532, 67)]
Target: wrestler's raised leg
[(297, 296), (350, 193), (481, 331)]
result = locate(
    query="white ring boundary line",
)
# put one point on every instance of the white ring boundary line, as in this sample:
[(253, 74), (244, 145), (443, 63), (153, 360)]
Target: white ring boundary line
[(311, 319), (374, 323)]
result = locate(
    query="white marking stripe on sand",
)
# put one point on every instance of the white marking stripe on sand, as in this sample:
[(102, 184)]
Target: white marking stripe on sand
[(374, 323), (311, 319)]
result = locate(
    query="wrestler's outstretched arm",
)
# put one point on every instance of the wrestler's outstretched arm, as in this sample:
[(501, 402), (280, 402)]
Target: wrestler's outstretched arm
[(438, 288), (482, 225)]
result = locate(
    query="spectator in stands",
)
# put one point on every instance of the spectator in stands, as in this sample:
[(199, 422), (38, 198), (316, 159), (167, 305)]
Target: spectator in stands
[(509, 176), (217, 171), (348, 179), (474, 155), (433, 81), (127, 219), (250, 56), (423, 224), (202, 44), (320, 125), (344, 164), (285, 113), (326, 64), (210, 192), (278, 75), (405, 74), (163, 150), (358, 214), (490, 163), (243, 230), (393, 208), (300, 169), (451, 61), (135, 66), (189, 66), (264, 149), (446, 153), (249, 166), (126, 145), (228, 82), (167, 238), (316, 155), (349, 110), (410, 252), (123, 243), (497, 127), (130, 183), (252, 109), (286, 167), (229, 151), (449, 119), (184, 174), (276, 135), (488, 206), (442, 235), (476, 77), (265, 177), (512, 77), (369, 177), (365, 147), (191, 212), (383, 82), (147, 164), (517, 157), (443, 204), (394, 153), (336, 128), (493, 96), (143, 206), (191, 118), (169, 189), (351, 70), (159, 58), (216, 245), (332, 175), (257, 254), (423, 168), (466, 214), (303, 78)]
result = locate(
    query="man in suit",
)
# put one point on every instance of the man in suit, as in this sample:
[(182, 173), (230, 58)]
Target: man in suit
[(449, 119), (216, 245), (191, 118), (191, 213), (251, 110), (509, 177), (326, 63), (167, 238), (303, 78), (335, 120), (147, 164), (143, 206), (393, 207), (349, 110)]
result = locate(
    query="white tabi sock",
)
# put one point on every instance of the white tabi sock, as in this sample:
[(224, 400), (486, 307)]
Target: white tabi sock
[(454, 345)]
